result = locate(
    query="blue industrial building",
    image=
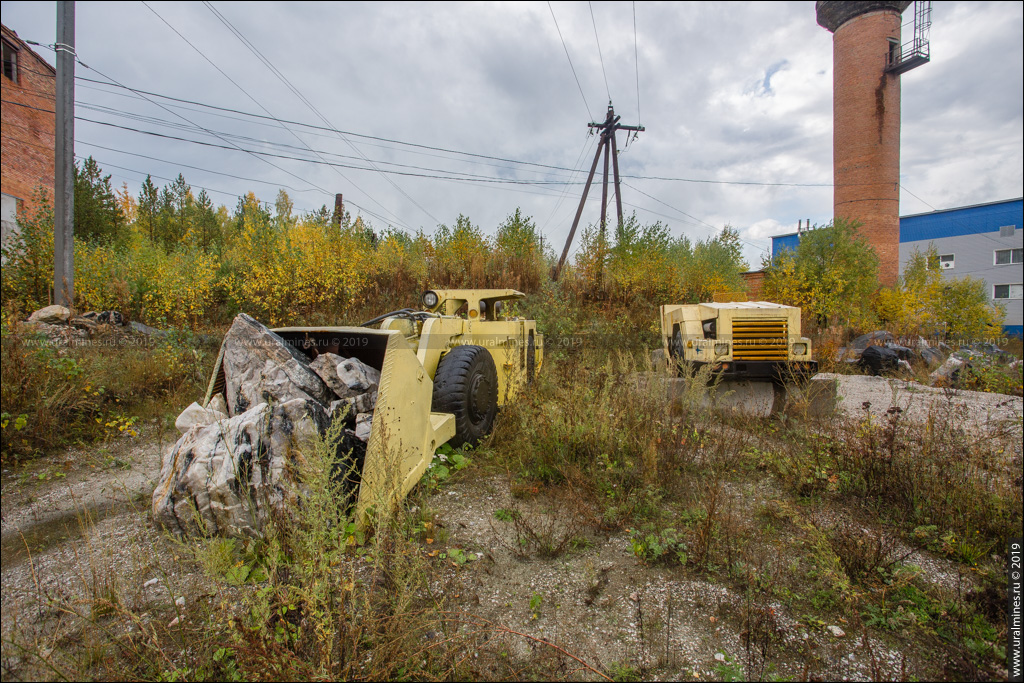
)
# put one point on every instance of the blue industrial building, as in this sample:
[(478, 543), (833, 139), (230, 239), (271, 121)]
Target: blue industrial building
[(983, 241)]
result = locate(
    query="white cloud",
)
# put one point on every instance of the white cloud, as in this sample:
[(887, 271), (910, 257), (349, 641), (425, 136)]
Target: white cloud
[(493, 79)]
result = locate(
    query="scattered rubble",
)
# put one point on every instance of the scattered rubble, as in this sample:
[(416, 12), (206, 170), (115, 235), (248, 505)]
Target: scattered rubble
[(61, 327), (235, 461)]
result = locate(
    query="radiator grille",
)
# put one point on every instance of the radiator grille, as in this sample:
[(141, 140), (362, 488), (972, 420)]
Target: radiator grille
[(760, 339)]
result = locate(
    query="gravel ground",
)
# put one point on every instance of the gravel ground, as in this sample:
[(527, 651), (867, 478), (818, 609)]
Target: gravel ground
[(74, 521), (976, 409), (602, 604)]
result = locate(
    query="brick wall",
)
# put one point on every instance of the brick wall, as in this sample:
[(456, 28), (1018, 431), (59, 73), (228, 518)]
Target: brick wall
[(866, 133), (27, 156), (754, 280)]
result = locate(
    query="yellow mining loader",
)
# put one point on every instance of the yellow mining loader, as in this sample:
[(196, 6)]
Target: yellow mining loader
[(444, 371), (755, 347)]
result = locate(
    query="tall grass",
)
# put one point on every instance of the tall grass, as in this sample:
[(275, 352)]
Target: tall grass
[(54, 395)]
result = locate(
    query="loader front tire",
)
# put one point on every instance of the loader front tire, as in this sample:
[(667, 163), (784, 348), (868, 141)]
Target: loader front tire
[(466, 385)]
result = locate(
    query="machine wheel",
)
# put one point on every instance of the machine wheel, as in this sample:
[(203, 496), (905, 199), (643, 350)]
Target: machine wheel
[(466, 385), (676, 351), (531, 358)]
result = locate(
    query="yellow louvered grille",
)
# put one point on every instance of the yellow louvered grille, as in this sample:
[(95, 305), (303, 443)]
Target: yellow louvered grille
[(761, 339)]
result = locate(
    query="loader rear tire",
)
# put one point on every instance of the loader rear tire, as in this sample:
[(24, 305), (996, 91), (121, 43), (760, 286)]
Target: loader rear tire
[(466, 385)]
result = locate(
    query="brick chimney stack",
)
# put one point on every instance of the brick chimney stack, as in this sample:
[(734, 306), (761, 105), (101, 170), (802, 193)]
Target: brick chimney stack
[(866, 122)]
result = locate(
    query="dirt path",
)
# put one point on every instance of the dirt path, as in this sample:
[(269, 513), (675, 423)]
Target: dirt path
[(75, 535)]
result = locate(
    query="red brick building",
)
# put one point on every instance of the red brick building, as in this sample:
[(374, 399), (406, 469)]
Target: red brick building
[(27, 159)]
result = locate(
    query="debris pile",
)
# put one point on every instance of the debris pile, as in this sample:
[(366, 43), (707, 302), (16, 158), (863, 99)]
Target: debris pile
[(235, 461), (59, 325)]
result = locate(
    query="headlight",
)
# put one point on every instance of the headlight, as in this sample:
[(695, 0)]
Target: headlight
[(721, 349), (799, 349), (429, 299)]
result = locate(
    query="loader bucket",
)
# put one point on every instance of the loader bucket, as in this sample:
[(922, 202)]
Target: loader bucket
[(404, 432)]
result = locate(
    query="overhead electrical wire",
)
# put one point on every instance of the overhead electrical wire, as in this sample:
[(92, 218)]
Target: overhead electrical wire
[(636, 62), (260, 141), (565, 191), (302, 98), (257, 103), (222, 136), (585, 103), (574, 170), (236, 147), (115, 81), (600, 56), (471, 154), (345, 132)]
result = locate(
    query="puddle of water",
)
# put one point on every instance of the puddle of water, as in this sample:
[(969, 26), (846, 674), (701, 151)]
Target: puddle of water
[(17, 543)]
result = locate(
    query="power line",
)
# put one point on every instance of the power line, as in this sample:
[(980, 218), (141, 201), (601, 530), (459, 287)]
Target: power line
[(704, 223), (259, 141), (224, 192), (315, 132), (254, 100), (235, 146), (471, 154), (260, 154), (112, 80), (565, 191), (336, 131), (195, 168), (636, 62), (585, 104), (274, 70), (704, 181), (600, 56)]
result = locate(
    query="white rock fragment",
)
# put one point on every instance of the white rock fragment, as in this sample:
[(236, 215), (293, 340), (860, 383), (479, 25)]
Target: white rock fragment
[(719, 657), (836, 631), (51, 315), (363, 426), (195, 414), (174, 622), (180, 602), (227, 475), (152, 582), (363, 403), (948, 370), (326, 366), (261, 367), (359, 377), (218, 403)]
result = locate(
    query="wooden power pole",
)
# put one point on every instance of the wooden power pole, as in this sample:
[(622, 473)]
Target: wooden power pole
[(610, 148)]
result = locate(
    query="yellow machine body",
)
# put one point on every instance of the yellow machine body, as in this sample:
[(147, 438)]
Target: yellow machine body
[(739, 339), (407, 349)]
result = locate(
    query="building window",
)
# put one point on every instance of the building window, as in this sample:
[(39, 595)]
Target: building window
[(1007, 230), (10, 61), (1007, 256), (946, 261), (1008, 291)]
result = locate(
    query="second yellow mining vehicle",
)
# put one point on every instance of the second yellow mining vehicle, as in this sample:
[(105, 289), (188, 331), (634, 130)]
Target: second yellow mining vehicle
[(740, 340)]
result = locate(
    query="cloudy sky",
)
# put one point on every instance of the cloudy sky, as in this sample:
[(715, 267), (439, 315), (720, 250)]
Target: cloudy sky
[(736, 99)]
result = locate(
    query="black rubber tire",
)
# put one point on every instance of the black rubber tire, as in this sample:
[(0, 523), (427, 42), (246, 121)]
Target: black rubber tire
[(466, 385), (531, 358)]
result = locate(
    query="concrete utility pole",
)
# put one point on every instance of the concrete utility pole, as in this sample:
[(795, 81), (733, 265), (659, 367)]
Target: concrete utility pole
[(610, 148), (64, 168)]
